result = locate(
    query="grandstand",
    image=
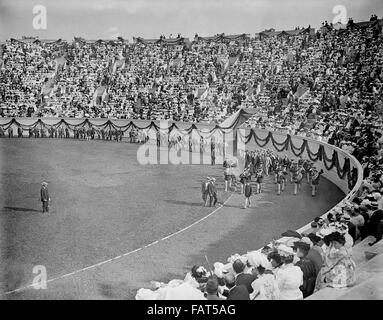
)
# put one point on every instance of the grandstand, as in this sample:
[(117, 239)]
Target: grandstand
[(320, 88)]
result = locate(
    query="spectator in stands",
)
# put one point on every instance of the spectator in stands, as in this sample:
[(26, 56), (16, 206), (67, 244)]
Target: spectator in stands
[(242, 278), (212, 289), (265, 286), (307, 266), (289, 277), (200, 274), (316, 253), (339, 268), (275, 260), (236, 292), (375, 226), (356, 219)]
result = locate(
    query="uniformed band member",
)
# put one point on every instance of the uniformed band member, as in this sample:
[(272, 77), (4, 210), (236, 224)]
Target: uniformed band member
[(268, 163), (10, 132), (297, 177), (276, 168), (315, 177), (19, 132), (212, 151), (50, 132), (248, 190), (61, 132), (44, 195), (293, 169), (281, 180), (227, 175), (88, 134), (307, 166), (259, 180), (158, 138), (244, 176)]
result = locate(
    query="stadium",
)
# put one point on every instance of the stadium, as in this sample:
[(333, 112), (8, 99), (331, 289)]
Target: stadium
[(242, 166)]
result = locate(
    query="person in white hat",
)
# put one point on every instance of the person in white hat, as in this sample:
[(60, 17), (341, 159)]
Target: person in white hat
[(44, 196), (265, 286), (315, 177)]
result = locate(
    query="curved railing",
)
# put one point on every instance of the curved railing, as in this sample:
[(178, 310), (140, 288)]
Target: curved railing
[(297, 146)]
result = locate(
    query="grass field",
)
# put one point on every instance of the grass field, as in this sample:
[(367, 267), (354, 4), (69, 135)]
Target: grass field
[(104, 205)]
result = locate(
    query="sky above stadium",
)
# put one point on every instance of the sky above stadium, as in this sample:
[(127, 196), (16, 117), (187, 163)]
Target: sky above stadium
[(108, 19)]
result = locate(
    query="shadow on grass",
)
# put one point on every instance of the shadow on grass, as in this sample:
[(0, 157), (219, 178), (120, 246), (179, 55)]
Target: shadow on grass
[(185, 203), (17, 209), (117, 290)]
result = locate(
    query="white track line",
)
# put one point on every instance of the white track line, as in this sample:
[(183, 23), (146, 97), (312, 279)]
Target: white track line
[(125, 254)]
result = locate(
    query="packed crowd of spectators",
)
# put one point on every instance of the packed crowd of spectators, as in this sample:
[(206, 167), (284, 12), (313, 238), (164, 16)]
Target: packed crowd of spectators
[(287, 79), (25, 67), (325, 85)]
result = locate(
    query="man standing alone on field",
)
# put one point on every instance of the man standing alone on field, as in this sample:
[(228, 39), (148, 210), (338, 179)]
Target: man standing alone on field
[(45, 196)]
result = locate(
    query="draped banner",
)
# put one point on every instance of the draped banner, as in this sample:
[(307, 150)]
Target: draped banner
[(329, 162), (174, 41), (222, 36), (80, 123)]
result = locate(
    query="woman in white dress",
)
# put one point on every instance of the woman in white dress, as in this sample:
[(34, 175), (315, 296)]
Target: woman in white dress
[(289, 277)]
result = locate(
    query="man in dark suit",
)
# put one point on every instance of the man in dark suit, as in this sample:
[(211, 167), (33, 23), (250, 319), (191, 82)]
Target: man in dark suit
[(10, 132), (236, 292), (44, 195), (212, 192), (243, 278)]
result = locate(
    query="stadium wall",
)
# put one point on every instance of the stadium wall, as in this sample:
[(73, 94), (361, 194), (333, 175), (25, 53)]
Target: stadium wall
[(314, 145)]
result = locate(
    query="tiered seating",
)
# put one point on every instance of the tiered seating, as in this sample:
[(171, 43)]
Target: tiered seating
[(369, 263)]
